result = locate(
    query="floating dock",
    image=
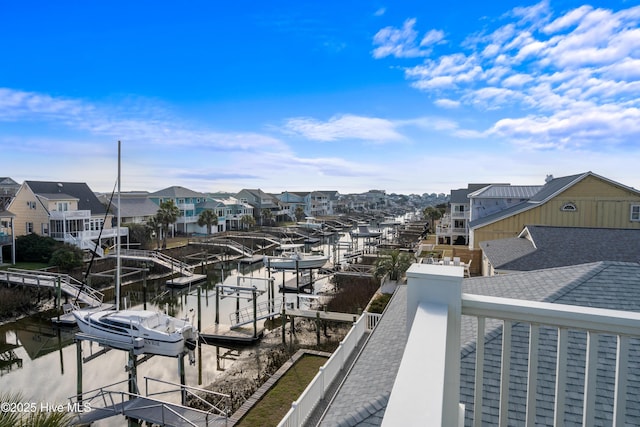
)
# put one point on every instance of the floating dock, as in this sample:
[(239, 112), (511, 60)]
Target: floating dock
[(223, 334), (184, 281)]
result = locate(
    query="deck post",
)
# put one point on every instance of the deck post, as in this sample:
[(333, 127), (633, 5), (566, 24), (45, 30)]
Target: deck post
[(284, 326), (58, 297), (217, 321), (181, 373), (79, 370), (199, 308), (144, 285), (255, 313), (297, 286), (317, 328)]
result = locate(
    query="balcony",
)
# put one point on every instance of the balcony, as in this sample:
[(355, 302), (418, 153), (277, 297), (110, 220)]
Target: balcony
[(522, 362), (69, 215)]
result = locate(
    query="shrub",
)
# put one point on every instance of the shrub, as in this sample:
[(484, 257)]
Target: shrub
[(34, 248), (67, 257)]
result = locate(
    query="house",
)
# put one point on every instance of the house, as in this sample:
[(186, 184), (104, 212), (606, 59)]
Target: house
[(66, 211), (402, 375), (453, 227), (582, 200), (7, 237), (538, 247), (220, 210), (8, 190), (186, 201), (230, 212), (260, 201), (498, 197), (137, 208)]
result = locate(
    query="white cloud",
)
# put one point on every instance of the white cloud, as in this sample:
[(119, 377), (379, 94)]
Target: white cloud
[(346, 126), (401, 43), (380, 12), (550, 80), (447, 103)]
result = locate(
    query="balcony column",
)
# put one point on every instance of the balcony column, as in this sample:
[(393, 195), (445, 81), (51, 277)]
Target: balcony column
[(427, 387)]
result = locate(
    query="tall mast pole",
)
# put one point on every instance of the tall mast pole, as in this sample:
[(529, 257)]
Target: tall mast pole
[(118, 238)]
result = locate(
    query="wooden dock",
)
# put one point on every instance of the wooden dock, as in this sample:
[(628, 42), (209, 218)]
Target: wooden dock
[(223, 334), (322, 315), (184, 281)]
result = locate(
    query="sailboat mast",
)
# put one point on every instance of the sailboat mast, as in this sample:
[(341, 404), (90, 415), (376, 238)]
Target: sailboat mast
[(118, 266)]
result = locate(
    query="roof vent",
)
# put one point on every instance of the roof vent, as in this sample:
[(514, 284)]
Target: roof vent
[(548, 178)]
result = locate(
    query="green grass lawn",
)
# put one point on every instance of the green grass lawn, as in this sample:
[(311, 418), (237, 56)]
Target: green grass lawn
[(277, 402), (27, 266)]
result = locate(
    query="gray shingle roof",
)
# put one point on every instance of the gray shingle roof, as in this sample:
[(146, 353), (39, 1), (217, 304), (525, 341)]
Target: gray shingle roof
[(87, 200), (560, 246), (176, 192), (613, 285)]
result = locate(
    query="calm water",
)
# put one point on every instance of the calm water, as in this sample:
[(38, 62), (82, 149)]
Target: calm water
[(39, 360)]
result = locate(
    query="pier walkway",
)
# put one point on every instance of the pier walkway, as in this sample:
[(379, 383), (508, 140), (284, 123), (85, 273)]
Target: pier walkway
[(68, 284), (107, 402)]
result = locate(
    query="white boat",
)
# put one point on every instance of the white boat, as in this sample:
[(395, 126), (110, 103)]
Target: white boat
[(364, 231), (147, 331), (310, 222), (291, 259)]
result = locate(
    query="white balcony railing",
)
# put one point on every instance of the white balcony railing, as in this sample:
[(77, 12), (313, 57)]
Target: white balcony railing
[(315, 391), (531, 333), (69, 215)]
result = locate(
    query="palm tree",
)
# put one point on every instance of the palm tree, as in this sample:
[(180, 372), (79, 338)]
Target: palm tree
[(299, 213), (248, 221), (395, 264), (266, 215), (154, 227), (209, 218), (166, 215), (432, 214)]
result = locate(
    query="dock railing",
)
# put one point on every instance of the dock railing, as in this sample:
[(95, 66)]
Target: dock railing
[(315, 391), (435, 306), (222, 405)]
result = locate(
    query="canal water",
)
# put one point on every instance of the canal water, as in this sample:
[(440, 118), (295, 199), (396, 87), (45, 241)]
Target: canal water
[(39, 360)]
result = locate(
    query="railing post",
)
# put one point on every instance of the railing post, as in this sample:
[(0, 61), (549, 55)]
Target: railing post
[(433, 291)]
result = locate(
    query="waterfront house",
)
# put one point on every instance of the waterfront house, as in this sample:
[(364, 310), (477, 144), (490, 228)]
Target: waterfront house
[(136, 207), (582, 200), (545, 347), (453, 227), (7, 238), (186, 201), (259, 201), (538, 247), (66, 211)]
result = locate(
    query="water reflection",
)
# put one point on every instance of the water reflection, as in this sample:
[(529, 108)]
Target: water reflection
[(39, 360)]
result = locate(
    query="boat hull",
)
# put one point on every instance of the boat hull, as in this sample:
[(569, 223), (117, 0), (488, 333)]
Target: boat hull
[(149, 341)]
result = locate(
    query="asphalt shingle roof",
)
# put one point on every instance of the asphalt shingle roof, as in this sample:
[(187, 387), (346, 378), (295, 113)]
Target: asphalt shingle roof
[(613, 285), (87, 200), (560, 246)]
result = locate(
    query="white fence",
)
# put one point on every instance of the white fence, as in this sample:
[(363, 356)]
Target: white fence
[(315, 391)]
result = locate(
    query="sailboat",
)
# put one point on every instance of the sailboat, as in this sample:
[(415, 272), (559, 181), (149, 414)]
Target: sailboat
[(145, 331)]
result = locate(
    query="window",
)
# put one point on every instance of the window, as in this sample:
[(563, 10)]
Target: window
[(31, 205), (29, 227), (635, 212), (569, 207), (62, 206)]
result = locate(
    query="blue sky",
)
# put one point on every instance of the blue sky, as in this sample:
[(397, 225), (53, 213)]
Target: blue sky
[(406, 96)]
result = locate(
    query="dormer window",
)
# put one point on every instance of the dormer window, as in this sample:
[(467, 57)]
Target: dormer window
[(569, 207)]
